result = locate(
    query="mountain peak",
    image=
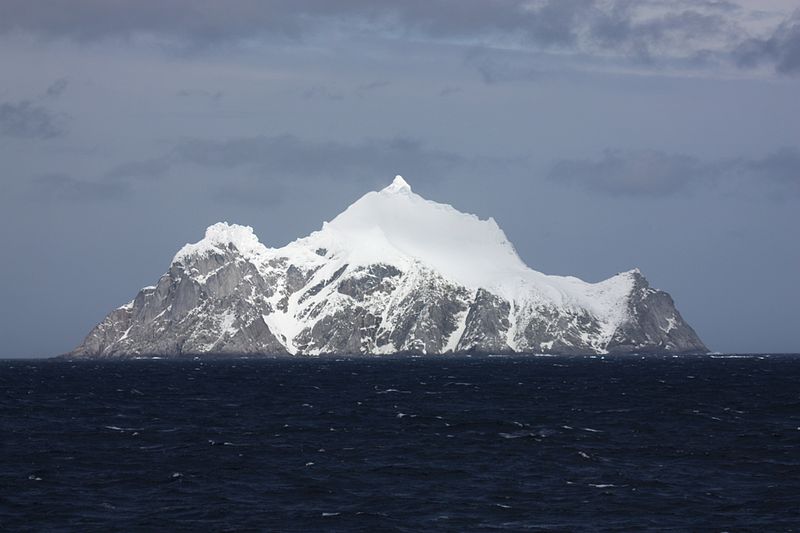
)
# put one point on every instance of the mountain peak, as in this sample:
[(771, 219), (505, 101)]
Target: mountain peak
[(399, 185), (398, 227), (392, 273), (220, 236)]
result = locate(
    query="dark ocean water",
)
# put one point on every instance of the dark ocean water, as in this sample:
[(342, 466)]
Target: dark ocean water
[(425, 444)]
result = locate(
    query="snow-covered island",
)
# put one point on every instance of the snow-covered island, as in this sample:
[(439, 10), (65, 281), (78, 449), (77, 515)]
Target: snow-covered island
[(393, 273)]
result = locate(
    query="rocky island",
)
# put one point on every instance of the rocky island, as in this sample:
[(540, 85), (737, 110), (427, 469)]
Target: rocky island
[(394, 273)]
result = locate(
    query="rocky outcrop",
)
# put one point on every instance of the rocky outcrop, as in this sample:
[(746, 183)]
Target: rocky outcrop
[(486, 325), (208, 303), (653, 325)]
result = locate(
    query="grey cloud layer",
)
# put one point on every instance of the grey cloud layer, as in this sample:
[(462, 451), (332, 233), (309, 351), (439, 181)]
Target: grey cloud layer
[(781, 166), (249, 170), (552, 22), (62, 187), (782, 48), (643, 30), (145, 169), (289, 156), (57, 88), (26, 120), (655, 173)]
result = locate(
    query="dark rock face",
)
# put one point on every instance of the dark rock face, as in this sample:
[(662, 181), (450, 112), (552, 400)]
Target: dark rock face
[(372, 279), (547, 329), (215, 304), (349, 331), (352, 329), (654, 325), (227, 303), (426, 317), (486, 325)]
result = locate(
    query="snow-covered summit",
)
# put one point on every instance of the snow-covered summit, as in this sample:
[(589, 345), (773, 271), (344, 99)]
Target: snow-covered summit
[(221, 236), (398, 185), (397, 226)]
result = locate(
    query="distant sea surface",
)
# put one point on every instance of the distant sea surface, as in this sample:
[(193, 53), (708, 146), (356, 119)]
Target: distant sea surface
[(402, 444)]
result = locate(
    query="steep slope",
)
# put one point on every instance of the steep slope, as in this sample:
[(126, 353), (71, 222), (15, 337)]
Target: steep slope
[(393, 273)]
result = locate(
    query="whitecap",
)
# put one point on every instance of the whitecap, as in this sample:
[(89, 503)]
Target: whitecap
[(117, 428)]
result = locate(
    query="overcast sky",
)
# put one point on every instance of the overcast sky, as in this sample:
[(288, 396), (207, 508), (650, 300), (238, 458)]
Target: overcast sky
[(601, 135)]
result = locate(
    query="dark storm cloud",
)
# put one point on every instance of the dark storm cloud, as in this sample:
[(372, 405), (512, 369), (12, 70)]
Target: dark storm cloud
[(657, 174), (61, 187), (642, 29), (618, 28), (204, 21), (26, 120), (782, 48), (720, 5), (289, 156)]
